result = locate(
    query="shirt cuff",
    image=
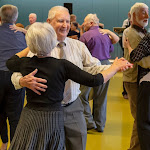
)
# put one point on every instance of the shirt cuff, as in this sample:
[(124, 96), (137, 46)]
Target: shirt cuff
[(15, 80)]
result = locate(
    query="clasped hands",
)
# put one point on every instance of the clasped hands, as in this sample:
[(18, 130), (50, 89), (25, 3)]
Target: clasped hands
[(122, 64)]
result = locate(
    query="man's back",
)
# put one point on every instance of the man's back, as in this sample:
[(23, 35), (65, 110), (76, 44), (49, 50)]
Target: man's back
[(10, 43), (98, 44)]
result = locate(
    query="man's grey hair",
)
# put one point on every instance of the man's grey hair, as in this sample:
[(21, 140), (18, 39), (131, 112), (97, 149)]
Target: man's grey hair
[(8, 13), (92, 18), (41, 38), (136, 7), (54, 10), (33, 14), (73, 15)]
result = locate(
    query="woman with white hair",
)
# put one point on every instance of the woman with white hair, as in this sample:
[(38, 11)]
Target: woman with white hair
[(41, 124)]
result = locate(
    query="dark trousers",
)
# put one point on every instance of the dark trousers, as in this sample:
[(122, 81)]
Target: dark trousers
[(143, 115), (11, 104), (3, 127), (124, 90)]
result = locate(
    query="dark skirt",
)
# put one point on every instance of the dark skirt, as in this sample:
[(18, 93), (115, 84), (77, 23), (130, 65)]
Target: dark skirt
[(39, 130)]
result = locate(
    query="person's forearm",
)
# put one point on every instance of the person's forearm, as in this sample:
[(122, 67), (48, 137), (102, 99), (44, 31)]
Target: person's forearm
[(110, 72), (114, 37), (101, 25), (81, 31), (81, 27), (73, 37), (15, 78), (23, 53), (126, 44), (130, 50), (24, 30)]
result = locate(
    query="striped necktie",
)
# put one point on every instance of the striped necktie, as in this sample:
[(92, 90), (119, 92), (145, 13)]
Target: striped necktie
[(62, 51)]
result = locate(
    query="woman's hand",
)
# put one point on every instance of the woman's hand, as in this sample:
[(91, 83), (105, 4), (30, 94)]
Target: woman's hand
[(104, 31), (113, 37), (121, 64), (118, 65), (16, 29), (127, 45)]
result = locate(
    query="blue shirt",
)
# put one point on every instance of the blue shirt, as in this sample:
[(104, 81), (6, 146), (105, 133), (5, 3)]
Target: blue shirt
[(99, 45), (10, 44)]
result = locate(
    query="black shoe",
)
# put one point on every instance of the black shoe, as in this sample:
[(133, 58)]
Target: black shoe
[(90, 128), (99, 130), (125, 96)]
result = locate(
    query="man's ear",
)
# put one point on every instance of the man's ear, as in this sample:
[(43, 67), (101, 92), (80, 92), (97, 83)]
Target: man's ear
[(134, 16), (48, 20), (91, 23)]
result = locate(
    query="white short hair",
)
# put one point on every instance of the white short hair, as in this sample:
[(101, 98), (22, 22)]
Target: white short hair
[(52, 12), (136, 7), (41, 38), (92, 18), (33, 14), (9, 13)]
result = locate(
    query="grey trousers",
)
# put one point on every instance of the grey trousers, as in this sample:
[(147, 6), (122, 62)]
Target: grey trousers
[(132, 90), (98, 118), (75, 126)]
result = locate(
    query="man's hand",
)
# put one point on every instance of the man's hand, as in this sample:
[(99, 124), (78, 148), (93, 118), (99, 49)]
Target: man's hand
[(33, 83), (118, 65)]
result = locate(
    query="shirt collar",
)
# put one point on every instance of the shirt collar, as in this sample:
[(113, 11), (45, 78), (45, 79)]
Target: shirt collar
[(65, 41), (7, 24), (94, 27), (139, 29)]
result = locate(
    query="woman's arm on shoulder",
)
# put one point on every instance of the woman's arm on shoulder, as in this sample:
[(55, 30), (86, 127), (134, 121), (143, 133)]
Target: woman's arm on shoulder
[(23, 53), (13, 63)]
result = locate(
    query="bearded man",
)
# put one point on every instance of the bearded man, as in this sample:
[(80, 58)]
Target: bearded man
[(134, 33)]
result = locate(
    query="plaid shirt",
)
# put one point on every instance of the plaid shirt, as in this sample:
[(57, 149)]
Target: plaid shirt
[(142, 50)]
